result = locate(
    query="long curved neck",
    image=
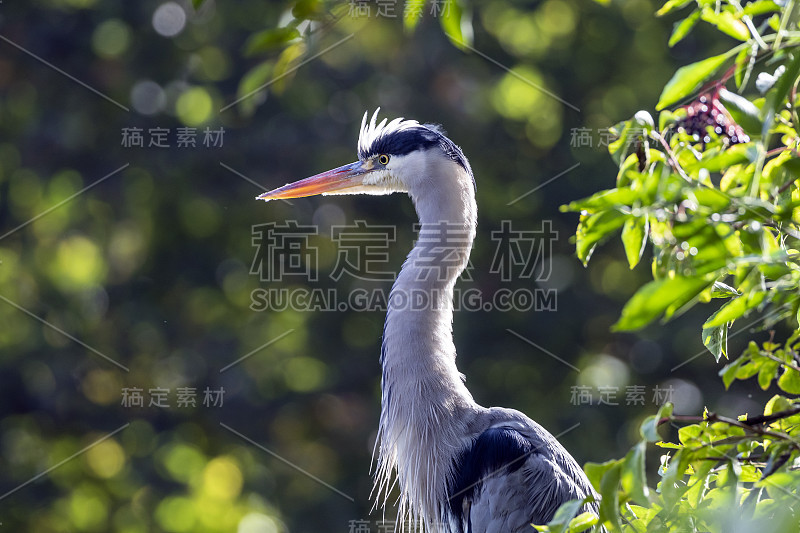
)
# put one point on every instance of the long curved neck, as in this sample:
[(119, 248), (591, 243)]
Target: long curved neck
[(418, 354), (425, 403)]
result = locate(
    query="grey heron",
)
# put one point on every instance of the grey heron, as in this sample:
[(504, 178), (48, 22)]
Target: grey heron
[(460, 467)]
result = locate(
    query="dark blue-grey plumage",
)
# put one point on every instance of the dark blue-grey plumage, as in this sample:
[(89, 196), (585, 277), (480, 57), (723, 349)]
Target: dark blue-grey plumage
[(537, 475)]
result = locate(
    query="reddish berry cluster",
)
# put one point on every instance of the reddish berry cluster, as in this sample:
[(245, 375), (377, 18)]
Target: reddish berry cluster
[(701, 114)]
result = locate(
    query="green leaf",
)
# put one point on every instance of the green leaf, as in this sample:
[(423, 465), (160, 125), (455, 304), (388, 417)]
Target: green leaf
[(776, 96), (456, 23), (270, 39), (634, 238), (633, 477), (609, 497), (622, 196), (672, 485), (777, 404), (656, 297), (790, 381), (683, 27), (728, 372), (716, 340), (760, 7), (711, 198), (287, 59), (564, 515), (671, 5), (308, 10), (594, 228), (742, 111), (727, 23), (582, 522), (718, 159), (723, 290), (734, 309), (596, 471), (412, 14), (689, 78), (649, 428), (688, 434), (744, 63), (197, 3), (768, 370), (251, 84)]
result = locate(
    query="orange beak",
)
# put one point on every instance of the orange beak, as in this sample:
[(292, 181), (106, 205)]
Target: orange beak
[(332, 181)]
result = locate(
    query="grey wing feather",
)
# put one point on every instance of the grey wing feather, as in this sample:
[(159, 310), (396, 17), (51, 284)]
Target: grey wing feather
[(514, 474)]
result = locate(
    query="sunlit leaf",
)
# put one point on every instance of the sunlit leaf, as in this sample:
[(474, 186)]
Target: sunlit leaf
[(683, 27), (790, 381), (716, 340), (412, 14), (767, 371), (270, 39), (728, 372), (760, 7), (727, 23), (672, 5), (622, 196), (582, 522), (689, 78), (655, 298), (564, 515), (735, 309), (634, 238), (718, 159), (456, 23), (594, 228)]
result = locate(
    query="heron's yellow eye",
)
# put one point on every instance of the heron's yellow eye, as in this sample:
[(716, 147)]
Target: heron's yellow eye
[(383, 159)]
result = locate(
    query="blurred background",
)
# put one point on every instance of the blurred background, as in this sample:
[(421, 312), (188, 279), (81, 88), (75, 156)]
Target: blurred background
[(148, 380)]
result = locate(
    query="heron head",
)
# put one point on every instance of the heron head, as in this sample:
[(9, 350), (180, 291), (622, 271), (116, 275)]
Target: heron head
[(396, 156)]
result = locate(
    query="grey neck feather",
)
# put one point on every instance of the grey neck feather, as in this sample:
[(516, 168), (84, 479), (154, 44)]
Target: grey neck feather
[(426, 408)]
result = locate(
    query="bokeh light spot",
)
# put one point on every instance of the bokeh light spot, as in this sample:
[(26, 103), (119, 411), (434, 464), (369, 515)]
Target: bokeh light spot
[(194, 106), (304, 374), (176, 514), (183, 461), (101, 386), (604, 371), (222, 479), (106, 459), (111, 38), (169, 19), (78, 263), (147, 97), (87, 510), (258, 523)]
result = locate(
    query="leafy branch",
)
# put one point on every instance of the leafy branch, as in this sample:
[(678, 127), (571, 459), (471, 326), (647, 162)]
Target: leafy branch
[(712, 189)]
